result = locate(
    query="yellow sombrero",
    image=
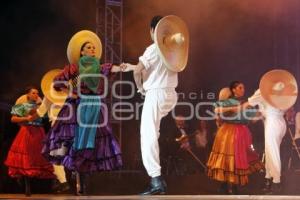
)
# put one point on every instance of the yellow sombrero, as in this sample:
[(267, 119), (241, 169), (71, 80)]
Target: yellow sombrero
[(24, 99), (224, 93), (76, 42), (56, 97)]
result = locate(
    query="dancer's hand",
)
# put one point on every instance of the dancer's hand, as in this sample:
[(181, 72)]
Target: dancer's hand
[(123, 67), (141, 91), (245, 105), (30, 118), (127, 67)]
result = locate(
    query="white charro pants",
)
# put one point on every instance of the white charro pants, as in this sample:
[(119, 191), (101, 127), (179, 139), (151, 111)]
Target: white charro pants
[(275, 129), (158, 103)]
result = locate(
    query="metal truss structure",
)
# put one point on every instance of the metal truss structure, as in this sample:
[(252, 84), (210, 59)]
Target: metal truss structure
[(109, 23)]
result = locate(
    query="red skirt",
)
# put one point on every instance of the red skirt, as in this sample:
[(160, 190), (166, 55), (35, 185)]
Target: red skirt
[(231, 159), (24, 157)]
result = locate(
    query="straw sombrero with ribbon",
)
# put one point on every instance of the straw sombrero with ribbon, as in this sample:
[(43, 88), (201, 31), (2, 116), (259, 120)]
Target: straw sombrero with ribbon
[(76, 42)]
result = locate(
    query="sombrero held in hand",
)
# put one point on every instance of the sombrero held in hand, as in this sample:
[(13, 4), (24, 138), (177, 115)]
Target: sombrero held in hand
[(78, 40), (56, 97), (171, 36), (279, 88)]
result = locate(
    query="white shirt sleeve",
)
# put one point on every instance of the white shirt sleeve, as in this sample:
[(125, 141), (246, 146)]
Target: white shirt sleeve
[(148, 56), (256, 99), (44, 107)]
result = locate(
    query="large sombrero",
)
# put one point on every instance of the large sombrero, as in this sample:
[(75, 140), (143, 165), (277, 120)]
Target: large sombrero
[(224, 93), (78, 40), (56, 97), (171, 36), (279, 89), (24, 99)]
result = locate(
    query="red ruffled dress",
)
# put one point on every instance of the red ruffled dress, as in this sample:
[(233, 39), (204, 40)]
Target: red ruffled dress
[(24, 157)]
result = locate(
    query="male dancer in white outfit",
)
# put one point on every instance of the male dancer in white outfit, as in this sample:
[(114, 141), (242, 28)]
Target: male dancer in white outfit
[(59, 171), (275, 129), (158, 86)]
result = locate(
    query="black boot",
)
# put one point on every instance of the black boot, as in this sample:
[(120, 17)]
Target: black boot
[(268, 185), (27, 186), (20, 181), (223, 188), (58, 187), (157, 186), (232, 189), (275, 189), (63, 188), (82, 185), (55, 185)]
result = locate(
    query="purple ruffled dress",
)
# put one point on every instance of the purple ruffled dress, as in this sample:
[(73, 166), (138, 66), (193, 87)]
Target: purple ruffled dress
[(58, 147)]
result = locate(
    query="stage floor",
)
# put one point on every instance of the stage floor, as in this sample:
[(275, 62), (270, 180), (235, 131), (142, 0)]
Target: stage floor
[(164, 197)]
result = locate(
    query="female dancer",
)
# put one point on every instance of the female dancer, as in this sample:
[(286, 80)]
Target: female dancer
[(24, 158), (232, 157), (81, 138)]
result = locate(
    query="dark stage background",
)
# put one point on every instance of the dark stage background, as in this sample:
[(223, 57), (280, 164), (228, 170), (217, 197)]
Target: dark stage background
[(230, 40)]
